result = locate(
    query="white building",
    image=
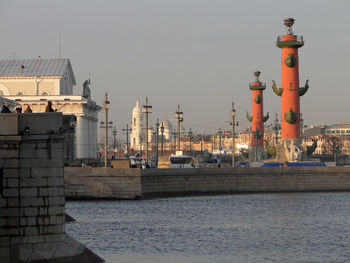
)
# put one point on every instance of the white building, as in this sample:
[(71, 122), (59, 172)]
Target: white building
[(34, 82), (138, 129)]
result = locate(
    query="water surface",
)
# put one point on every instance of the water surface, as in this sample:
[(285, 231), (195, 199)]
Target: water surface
[(283, 227)]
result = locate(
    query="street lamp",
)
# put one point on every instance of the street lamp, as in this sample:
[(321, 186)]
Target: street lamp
[(147, 109), (174, 133), (301, 127), (162, 131), (114, 132), (126, 131), (106, 106), (179, 117), (190, 133), (276, 128), (157, 138), (220, 134), (233, 113)]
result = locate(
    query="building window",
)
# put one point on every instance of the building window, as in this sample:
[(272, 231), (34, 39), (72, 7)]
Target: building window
[(1, 93), (134, 142), (134, 121), (20, 93), (45, 93)]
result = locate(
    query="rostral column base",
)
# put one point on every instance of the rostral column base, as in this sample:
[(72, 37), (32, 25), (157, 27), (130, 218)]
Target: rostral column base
[(257, 154), (291, 150)]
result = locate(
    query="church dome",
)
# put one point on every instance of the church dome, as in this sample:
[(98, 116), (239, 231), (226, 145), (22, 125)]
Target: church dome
[(167, 125)]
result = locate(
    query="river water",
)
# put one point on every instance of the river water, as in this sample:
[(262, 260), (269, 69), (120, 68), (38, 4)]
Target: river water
[(283, 227)]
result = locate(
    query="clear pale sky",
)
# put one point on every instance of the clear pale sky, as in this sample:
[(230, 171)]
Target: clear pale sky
[(200, 54)]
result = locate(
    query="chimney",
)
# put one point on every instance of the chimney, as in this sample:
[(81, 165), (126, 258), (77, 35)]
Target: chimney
[(21, 67)]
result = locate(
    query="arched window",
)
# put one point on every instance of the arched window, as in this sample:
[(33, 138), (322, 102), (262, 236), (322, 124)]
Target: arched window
[(134, 121), (1, 93), (45, 93), (134, 141), (20, 93)]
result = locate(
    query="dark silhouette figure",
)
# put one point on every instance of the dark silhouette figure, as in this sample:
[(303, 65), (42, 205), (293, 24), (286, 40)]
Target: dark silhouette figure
[(49, 107), (5, 108), (28, 110)]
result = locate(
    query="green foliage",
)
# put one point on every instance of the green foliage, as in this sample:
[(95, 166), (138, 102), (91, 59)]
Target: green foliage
[(269, 149)]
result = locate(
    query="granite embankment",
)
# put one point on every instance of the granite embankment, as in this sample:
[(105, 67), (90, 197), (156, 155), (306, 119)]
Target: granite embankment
[(113, 183)]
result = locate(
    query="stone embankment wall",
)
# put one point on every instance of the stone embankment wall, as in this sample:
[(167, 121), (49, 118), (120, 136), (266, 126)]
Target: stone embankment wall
[(32, 198), (114, 183), (102, 183)]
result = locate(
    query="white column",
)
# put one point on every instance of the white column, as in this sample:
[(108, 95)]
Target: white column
[(95, 137), (85, 133), (91, 138), (78, 137)]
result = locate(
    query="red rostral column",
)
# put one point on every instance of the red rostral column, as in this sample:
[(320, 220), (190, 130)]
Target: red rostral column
[(290, 91), (257, 119)]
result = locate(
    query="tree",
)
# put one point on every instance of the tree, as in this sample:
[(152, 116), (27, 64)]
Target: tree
[(332, 145)]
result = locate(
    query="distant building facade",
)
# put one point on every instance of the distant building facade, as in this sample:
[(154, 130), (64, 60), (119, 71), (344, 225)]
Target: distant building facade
[(34, 82)]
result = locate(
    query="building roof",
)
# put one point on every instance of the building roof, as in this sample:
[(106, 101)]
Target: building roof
[(35, 67), (342, 125)]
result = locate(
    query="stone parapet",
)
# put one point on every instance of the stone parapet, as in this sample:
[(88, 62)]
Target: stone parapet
[(113, 183), (32, 198), (102, 183)]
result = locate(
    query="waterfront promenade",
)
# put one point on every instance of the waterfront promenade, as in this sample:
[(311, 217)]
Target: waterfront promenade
[(113, 183)]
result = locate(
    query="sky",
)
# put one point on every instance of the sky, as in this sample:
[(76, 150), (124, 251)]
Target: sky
[(200, 54)]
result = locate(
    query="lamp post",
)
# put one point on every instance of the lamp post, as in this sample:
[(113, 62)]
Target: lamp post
[(174, 133), (162, 131), (220, 134), (190, 133), (147, 109), (201, 145), (114, 132), (106, 106), (276, 128), (126, 131), (233, 113), (157, 138), (179, 117), (301, 127)]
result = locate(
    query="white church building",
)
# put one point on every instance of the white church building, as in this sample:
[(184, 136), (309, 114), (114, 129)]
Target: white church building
[(138, 129), (34, 82)]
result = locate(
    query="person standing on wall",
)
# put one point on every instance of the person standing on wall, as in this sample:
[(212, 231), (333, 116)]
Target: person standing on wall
[(49, 107), (5, 108)]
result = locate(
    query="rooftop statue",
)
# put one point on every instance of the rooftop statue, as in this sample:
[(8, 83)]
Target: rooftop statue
[(86, 89)]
